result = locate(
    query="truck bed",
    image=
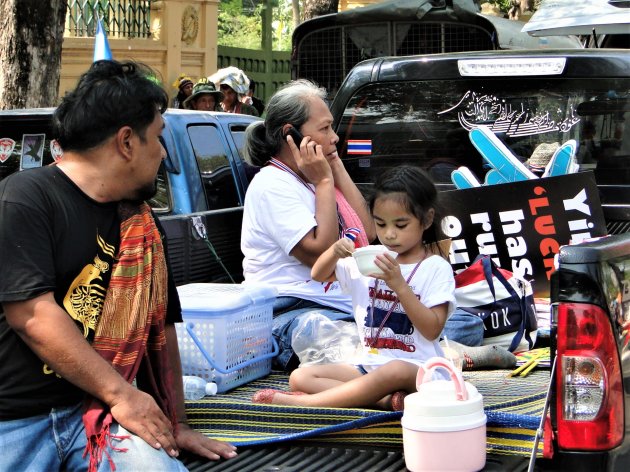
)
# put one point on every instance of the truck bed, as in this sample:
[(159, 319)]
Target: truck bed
[(273, 437), (295, 457)]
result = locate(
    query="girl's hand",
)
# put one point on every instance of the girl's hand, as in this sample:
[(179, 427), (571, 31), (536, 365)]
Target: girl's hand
[(310, 160), (391, 272), (343, 248)]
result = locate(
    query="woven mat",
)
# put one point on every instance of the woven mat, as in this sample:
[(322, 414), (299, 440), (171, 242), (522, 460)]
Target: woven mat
[(513, 405)]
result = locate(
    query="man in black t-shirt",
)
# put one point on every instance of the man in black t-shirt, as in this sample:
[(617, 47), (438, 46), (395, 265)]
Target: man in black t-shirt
[(64, 390)]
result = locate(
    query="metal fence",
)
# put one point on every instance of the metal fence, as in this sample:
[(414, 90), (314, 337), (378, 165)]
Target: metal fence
[(326, 55), (121, 18)]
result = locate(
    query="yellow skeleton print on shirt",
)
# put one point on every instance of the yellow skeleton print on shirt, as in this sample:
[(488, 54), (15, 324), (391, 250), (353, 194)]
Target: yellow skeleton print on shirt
[(85, 296)]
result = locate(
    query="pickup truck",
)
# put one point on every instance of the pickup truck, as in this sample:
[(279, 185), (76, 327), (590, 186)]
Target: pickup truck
[(201, 184)]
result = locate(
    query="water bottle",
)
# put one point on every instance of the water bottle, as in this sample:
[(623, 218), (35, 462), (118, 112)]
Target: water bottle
[(196, 388)]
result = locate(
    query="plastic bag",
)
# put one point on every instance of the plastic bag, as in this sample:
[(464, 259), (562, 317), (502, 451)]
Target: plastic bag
[(319, 340)]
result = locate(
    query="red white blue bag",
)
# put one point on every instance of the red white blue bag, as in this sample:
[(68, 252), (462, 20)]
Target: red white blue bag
[(502, 300)]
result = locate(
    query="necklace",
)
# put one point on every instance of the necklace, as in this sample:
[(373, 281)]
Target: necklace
[(374, 339), (282, 166)]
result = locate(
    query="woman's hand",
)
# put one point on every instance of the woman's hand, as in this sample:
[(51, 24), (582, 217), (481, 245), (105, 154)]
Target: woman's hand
[(310, 160), (336, 165)]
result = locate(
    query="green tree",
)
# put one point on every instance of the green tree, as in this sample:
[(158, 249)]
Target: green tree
[(283, 25), (241, 25), (237, 29), (513, 9)]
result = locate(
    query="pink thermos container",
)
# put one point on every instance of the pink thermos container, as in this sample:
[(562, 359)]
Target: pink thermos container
[(444, 425)]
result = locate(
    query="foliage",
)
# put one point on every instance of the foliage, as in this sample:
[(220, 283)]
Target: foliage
[(237, 29), (282, 26), (241, 26), (504, 5)]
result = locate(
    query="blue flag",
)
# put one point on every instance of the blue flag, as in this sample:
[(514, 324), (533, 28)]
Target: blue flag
[(101, 45)]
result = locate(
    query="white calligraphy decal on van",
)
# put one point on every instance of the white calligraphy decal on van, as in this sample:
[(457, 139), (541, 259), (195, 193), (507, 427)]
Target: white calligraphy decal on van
[(501, 117)]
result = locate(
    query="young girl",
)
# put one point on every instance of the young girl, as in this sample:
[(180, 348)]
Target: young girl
[(399, 314)]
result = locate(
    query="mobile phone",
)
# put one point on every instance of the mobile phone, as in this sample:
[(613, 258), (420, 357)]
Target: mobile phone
[(295, 134)]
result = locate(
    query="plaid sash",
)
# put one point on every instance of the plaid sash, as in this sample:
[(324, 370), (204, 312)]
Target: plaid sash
[(130, 332)]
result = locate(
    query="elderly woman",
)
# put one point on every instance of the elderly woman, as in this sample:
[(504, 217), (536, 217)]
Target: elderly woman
[(300, 202)]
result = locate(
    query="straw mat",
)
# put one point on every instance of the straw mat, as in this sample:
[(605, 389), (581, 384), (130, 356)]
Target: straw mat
[(513, 406)]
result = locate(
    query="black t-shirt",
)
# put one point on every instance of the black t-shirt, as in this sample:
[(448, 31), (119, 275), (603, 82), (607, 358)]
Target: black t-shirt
[(53, 238)]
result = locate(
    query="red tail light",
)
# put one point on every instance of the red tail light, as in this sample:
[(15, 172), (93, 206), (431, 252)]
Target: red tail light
[(590, 397)]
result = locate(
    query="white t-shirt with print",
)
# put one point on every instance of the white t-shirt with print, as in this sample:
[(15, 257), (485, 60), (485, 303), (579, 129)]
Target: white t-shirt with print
[(433, 284), (279, 212)]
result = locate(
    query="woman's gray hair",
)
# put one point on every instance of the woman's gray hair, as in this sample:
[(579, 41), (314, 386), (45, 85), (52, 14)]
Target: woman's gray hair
[(290, 104)]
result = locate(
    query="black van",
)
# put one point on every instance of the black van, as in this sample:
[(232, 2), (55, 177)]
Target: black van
[(419, 109), (326, 47)]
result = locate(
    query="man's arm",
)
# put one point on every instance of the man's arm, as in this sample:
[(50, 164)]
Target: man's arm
[(52, 335), (187, 438)]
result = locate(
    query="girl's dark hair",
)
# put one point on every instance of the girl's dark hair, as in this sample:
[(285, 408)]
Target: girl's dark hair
[(415, 190), (109, 95)]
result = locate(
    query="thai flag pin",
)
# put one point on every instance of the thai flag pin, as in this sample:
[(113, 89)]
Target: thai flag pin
[(351, 234)]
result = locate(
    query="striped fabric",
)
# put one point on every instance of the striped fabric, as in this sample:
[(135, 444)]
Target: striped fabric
[(513, 405), (130, 332)]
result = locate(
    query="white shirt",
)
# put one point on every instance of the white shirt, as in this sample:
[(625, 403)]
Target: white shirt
[(279, 212), (433, 284)]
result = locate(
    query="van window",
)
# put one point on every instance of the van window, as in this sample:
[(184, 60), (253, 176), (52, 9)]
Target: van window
[(238, 135), (426, 123), (161, 201), (216, 172)]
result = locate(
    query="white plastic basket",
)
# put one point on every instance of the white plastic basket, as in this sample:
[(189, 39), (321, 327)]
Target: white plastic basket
[(226, 334)]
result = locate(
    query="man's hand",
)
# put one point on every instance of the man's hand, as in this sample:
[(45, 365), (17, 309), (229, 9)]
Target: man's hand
[(138, 412), (197, 443)]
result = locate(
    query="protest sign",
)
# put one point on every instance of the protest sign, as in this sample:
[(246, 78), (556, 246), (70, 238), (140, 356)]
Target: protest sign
[(522, 224)]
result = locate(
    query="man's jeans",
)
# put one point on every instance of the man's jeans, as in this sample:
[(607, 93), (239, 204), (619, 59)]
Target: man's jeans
[(56, 441), (286, 313)]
